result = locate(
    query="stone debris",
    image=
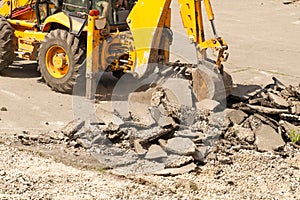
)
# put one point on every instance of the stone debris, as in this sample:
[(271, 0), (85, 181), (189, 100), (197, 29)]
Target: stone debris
[(279, 101), (138, 147), (175, 96), (71, 128), (181, 146), (172, 138), (175, 135), (155, 152), (207, 104), (108, 117), (236, 116), (267, 139), (243, 134), (174, 161)]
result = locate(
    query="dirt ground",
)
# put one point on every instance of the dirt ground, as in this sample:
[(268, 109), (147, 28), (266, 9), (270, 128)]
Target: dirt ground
[(263, 39)]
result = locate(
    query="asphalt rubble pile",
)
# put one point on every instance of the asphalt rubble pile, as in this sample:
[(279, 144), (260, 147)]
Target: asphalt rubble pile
[(156, 135)]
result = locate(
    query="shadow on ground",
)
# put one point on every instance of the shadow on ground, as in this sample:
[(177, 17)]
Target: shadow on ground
[(22, 69)]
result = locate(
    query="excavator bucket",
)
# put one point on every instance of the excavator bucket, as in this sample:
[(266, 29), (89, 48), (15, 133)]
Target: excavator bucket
[(209, 83)]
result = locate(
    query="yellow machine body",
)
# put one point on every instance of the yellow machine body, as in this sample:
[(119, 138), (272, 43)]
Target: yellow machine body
[(148, 18), (140, 38)]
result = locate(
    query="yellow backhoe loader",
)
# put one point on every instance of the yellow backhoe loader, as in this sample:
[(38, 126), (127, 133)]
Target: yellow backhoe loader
[(66, 35)]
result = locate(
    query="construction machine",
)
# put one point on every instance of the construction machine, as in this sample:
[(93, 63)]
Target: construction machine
[(65, 36)]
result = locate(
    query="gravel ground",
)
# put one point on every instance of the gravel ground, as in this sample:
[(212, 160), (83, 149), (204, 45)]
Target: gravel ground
[(252, 175)]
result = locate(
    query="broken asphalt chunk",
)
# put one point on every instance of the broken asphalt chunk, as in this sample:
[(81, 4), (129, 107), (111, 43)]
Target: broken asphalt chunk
[(267, 139), (181, 146), (155, 152)]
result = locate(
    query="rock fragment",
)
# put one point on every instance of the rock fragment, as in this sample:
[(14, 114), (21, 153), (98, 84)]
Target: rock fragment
[(267, 139), (108, 117), (244, 134), (207, 104), (155, 152), (178, 91), (279, 101), (181, 146), (71, 128), (187, 134), (138, 147), (139, 103), (236, 116), (296, 109), (200, 154), (84, 143), (174, 161), (268, 110)]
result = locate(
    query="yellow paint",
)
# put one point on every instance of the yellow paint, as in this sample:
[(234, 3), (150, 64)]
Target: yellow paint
[(22, 23), (28, 42), (93, 39), (188, 16), (145, 19), (6, 6), (30, 35), (57, 61), (209, 11)]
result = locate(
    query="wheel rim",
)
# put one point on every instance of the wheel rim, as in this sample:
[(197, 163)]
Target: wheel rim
[(57, 61)]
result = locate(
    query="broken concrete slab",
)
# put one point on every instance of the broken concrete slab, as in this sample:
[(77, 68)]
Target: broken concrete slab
[(111, 156), (244, 134), (107, 117), (162, 142), (140, 114), (174, 161), (278, 100), (236, 116), (101, 139), (166, 122), (289, 128), (84, 143), (71, 128), (141, 166), (155, 152), (267, 120), (267, 139), (159, 114), (187, 134), (267, 110), (207, 104), (138, 147), (122, 108), (296, 108), (181, 146), (156, 112), (178, 91), (157, 134), (244, 92), (139, 105), (200, 153), (176, 171)]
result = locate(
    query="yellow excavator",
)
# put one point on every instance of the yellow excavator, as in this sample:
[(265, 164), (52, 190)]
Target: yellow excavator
[(66, 35)]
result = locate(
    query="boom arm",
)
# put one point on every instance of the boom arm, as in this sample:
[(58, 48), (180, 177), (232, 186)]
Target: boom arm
[(148, 17), (192, 18)]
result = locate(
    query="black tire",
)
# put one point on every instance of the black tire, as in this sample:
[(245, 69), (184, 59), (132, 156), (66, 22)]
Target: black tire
[(7, 44), (73, 47)]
